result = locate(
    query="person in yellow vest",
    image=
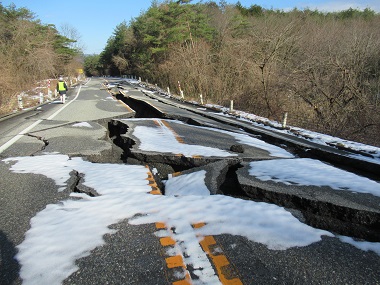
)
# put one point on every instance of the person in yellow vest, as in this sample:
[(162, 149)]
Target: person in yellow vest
[(62, 89)]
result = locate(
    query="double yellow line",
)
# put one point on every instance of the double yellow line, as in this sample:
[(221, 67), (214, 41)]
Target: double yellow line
[(225, 270)]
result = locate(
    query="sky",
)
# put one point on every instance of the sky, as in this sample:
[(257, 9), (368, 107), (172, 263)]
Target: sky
[(96, 20)]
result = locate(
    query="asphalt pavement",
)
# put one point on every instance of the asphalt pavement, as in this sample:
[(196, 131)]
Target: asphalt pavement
[(96, 125)]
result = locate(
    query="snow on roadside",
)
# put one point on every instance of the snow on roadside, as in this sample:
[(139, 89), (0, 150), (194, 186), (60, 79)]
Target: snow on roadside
[(307, 171), (319, 138), (372, 152), (66, 231), (323, 139)]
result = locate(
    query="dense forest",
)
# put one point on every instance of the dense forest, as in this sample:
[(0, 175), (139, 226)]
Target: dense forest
[(29, 52), (321, 68)]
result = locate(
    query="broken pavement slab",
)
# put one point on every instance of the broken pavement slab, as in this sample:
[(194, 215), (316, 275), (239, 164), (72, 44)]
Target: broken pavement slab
[(215, 174), (181, 144), (72, 138), (304, 147), (321, 206), (342, 211)]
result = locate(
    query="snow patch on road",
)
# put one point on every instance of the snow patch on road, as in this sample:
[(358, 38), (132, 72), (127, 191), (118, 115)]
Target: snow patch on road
[(307, 171), (162, 139), (82, 125), (66, 231), (187, 184), (362, 245)]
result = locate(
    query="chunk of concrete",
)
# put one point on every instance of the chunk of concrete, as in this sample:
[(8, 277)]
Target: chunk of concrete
[(215, 173), (339, 211)]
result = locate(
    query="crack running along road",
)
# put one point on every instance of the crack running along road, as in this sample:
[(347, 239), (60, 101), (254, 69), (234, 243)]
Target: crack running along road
[(26, 130)]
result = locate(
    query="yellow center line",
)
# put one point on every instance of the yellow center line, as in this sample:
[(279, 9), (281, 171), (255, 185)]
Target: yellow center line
[(177, 137), (171, 261), (176, 174), (197, 156), (162, 123), (152, 183), (126, 106), (121, 102), (219, 260), (166, 241), (176, 261)]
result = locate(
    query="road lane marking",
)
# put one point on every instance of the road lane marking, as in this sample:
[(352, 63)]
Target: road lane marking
[(160, 226), (18, 136), (64, 106), (177, 136), (122, 102), (126, 106), (166, 241), (152, 183), (150, 104), (26, 130), (175, 174), (175, 261), (225, 271), (172, 262), (198, 225), (163, 124), (197, 156)]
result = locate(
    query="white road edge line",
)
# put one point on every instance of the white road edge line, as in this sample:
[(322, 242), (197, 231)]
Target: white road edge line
[(23, 132)]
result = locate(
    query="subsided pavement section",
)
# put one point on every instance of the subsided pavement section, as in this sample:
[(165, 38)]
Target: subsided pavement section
[(344, 158), (109, 138), (342, 212)]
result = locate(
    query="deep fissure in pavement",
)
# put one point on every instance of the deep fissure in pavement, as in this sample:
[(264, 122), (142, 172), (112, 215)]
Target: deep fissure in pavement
[(142, 109), (324, 215), (319, 214), (231, 185), (77, 185), (45, 142)]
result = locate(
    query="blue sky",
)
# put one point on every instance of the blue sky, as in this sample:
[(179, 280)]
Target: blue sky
[(96, 20)]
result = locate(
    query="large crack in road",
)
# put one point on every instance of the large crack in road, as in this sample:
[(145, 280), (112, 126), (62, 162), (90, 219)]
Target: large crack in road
[(223, 177)]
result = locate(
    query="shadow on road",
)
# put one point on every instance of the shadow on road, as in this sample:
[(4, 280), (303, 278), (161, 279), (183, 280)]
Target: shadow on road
[(9, 267)]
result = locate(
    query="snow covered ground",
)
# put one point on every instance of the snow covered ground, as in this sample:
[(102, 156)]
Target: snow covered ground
[(64, 232), (69, 230), (307, 171), (372, 152), (168, 143)]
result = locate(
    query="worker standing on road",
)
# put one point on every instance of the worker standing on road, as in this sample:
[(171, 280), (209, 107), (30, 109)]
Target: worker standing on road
[(62, 89)]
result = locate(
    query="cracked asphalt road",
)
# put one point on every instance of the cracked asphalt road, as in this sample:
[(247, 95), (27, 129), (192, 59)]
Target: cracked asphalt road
[(134, 254)]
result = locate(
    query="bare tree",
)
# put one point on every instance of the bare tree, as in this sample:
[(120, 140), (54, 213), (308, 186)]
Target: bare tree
[(73, 34)]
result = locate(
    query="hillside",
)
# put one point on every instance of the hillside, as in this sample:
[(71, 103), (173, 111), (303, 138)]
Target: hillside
[(323, 69)]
